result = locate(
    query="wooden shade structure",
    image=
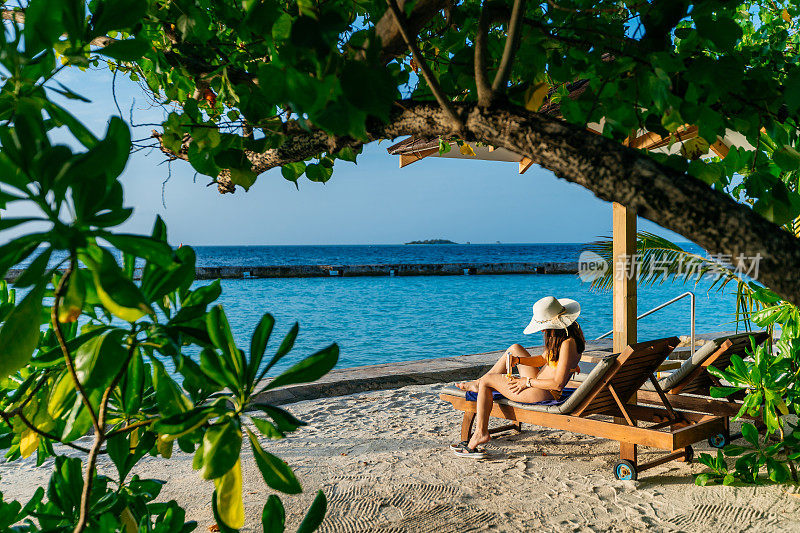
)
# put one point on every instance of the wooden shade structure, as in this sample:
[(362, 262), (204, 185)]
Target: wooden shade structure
[(624, 291)]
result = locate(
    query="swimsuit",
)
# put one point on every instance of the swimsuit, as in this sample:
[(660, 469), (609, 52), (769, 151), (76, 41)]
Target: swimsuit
[(555, 392)]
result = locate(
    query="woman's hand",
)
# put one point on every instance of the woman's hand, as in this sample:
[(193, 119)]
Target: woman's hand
[(517, 384)]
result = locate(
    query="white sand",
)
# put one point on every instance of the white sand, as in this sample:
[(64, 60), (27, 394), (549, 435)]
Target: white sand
[(382, 460)]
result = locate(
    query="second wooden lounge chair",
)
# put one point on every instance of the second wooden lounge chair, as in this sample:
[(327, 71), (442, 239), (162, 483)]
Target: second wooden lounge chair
[(689, 387), (605, 393)]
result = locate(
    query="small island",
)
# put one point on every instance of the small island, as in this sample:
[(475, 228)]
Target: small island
[(433, 241)]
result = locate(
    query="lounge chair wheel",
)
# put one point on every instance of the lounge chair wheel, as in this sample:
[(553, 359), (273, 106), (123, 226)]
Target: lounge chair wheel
[(625, 471), (720, 440)]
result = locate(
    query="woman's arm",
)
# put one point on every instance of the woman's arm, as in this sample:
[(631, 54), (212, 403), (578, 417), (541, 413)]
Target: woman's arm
[(567, 360), (535, 361)]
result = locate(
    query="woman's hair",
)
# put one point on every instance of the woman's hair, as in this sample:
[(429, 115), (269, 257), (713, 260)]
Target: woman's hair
[(553, 338)]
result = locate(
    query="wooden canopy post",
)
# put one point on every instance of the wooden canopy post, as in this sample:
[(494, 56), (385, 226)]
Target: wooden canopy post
[(624, 285), (624, 293)]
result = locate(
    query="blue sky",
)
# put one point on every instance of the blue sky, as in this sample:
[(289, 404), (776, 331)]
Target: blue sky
[(373, 202)]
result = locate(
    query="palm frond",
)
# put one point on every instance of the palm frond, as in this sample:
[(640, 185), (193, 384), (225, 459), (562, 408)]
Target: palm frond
[(658, 260)]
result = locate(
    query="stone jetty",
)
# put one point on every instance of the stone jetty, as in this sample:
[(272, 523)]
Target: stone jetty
[(405, 269)]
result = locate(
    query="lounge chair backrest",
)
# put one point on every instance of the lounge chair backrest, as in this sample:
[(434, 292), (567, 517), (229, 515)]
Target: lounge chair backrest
[(700, 382), (588, 385), (631, 370)]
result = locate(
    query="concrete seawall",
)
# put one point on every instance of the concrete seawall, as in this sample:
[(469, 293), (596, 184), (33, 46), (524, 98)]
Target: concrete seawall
[(407, 269), (404, 269)]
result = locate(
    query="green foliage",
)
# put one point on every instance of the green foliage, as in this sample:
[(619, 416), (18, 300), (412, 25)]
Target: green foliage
[(253, 76), (119, 308), (769, 376)]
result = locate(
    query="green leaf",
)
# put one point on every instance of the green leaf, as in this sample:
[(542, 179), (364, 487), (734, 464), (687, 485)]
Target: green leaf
[(71, 305), (213, 366), (43, 24), (309, 369), (672, 120), (127, 50), (100, 359), (315, 515), (116, 292), (722, 392), (369, 89), (222, 337), (113, 151), (244, 177), (273, 517), (286, 346), (276, 473), (229, 506), (750, 433), (293, 171), (62, 396), (19, 334), (179, 424), (724, 32), (267, 429), (153, 250), (258, 343), (157, 281), (62, 117), (318, 173), (55, 356), (117, 15), (118, 449), (223, 527), (348, 154), (132, 384), (703, 479), (777, 471), (222, 444), (787, 158), (169, 396), (285, 421)]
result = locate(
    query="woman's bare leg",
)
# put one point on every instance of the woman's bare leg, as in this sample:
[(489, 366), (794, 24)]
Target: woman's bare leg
[(496, 382), (499, 367)]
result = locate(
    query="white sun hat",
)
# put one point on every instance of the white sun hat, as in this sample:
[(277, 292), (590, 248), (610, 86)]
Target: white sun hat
[(552, 313)]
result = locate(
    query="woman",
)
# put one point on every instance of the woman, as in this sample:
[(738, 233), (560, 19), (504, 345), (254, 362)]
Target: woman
[(541, 377)]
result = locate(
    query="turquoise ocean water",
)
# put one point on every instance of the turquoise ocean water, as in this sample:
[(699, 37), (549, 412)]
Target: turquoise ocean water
[(388, 319)]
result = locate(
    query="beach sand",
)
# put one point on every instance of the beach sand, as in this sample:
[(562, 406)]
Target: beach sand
[(382, 460)]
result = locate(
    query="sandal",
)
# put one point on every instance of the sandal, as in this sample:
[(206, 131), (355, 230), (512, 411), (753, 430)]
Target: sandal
[(470, 453), (459, 445)]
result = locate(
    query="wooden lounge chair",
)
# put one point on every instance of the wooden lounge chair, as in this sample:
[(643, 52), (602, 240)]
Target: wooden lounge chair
[(689, 387), (605, 393)]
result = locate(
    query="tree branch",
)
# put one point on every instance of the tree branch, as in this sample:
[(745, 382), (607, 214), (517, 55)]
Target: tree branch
[(611, 171), (100, 437), (7, 417), (392, 42), (59, 292), (512, 40), (130, 427), (433, 84), (481, 79)]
